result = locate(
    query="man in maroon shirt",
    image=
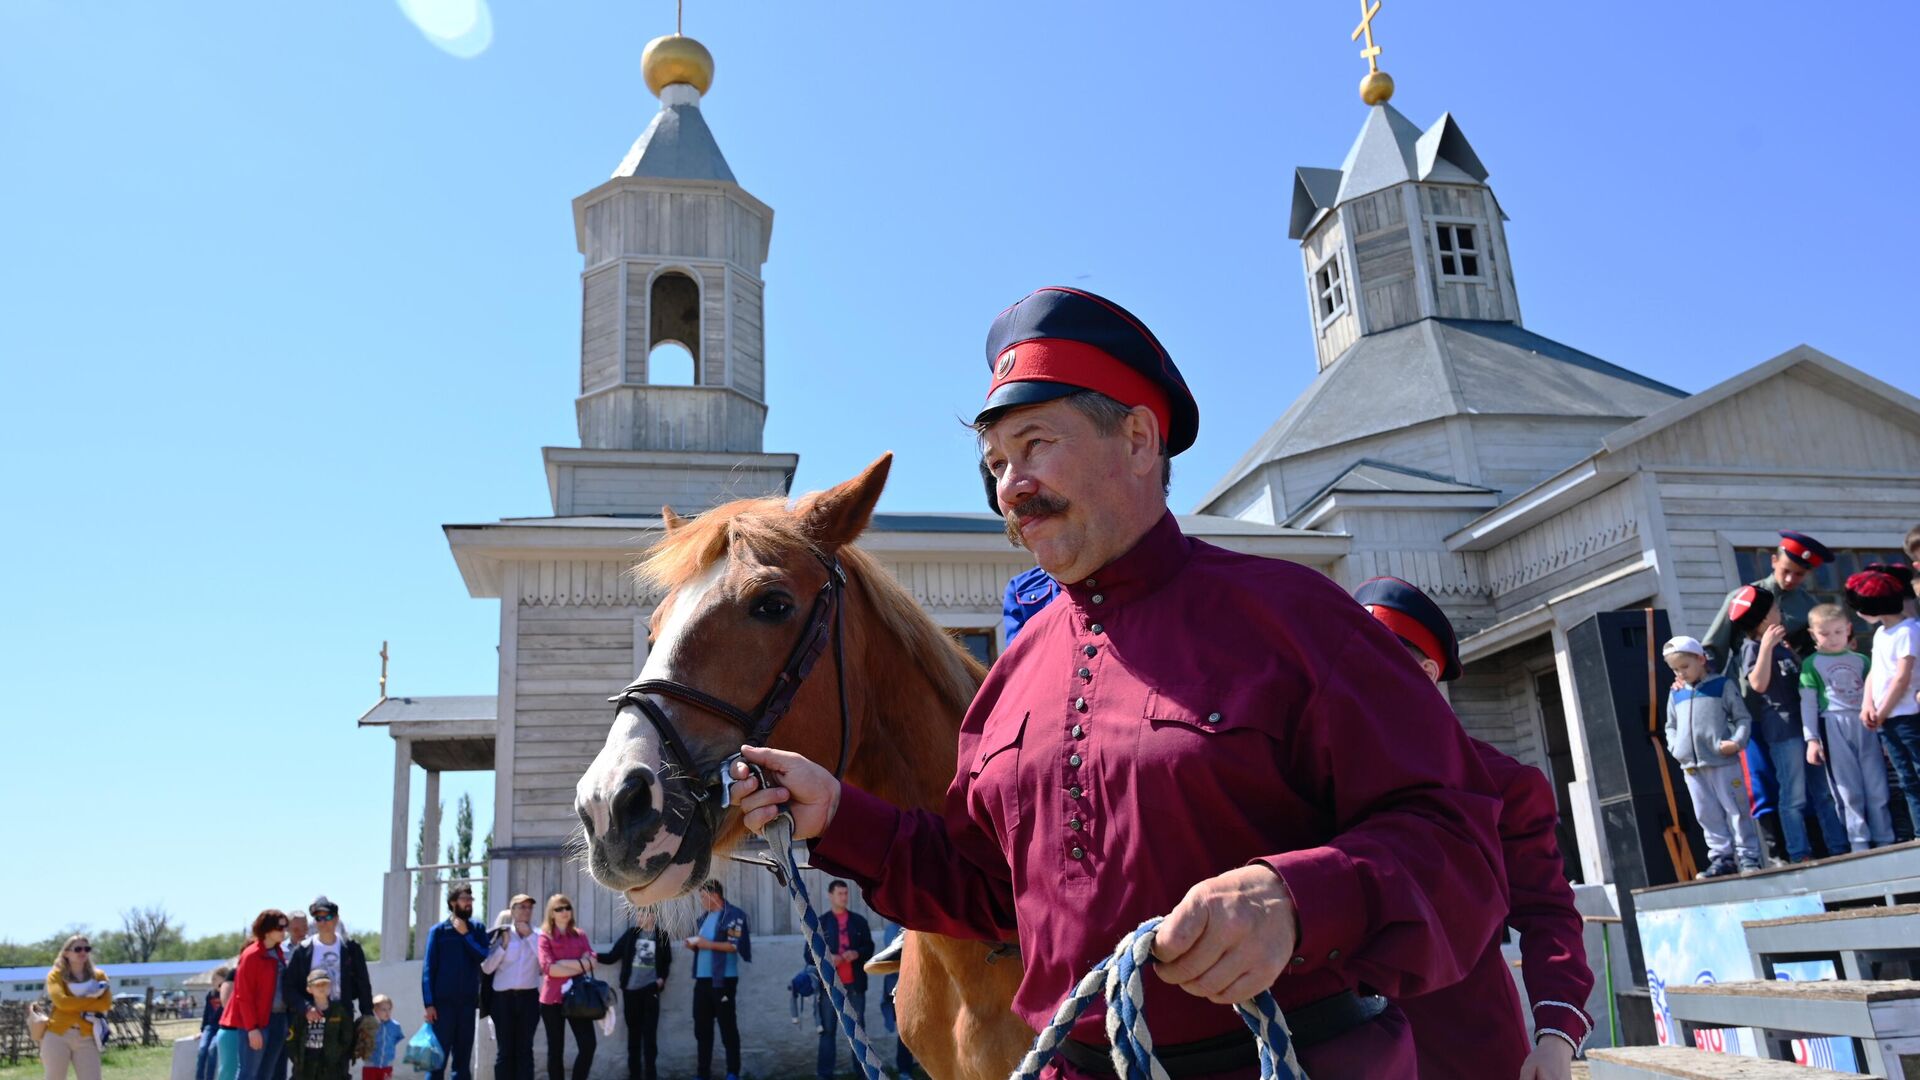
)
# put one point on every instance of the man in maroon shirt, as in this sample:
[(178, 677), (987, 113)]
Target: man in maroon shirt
[(1472, 1029), (1226, 740)]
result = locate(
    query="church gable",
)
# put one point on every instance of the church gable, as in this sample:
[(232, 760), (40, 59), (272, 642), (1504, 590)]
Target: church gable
[(1802, 412)]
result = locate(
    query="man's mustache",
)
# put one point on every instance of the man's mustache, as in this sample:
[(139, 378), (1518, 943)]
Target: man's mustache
[(1041, 505)]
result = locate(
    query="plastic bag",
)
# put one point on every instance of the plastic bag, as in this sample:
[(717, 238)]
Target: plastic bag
[(424, 1052), (605, 1024)]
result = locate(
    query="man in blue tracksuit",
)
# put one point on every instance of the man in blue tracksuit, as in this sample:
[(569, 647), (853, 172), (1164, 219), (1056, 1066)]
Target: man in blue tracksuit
[(450, 981)]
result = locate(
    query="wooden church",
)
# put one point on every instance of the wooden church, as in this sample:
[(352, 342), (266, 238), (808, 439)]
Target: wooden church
[(1524, 483)]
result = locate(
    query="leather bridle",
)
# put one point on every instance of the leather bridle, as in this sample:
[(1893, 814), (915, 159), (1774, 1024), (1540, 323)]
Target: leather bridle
[(822, 634)]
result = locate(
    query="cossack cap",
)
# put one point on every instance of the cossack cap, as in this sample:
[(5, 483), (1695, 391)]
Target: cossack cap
[(1804, 549), (1748, 606), (1412, 614)]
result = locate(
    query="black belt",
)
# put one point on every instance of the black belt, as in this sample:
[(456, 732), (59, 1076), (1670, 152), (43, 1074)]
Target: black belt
[(1310, 1024)]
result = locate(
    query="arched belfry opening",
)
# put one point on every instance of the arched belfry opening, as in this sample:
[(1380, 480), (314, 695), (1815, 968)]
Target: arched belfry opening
[(673, 330)]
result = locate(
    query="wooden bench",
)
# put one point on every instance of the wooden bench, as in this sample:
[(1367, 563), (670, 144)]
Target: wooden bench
[(1883, 1016), (1686, 1063), (1860, 938)]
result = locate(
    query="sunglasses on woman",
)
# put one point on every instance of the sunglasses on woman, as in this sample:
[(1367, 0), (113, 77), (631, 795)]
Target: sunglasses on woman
[(81, 948), (563, 907)]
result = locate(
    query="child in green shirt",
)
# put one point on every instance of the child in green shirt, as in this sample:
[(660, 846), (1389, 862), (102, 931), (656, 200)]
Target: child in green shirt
[(1832, 681)]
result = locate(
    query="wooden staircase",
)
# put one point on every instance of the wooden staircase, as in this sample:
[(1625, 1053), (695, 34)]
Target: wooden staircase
[(1881, 1016)]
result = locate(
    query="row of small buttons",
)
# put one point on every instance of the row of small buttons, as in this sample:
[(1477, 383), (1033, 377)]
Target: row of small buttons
[(1076, 852)]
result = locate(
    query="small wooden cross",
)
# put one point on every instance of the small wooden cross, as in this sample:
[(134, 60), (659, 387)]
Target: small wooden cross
[(1372, 52)]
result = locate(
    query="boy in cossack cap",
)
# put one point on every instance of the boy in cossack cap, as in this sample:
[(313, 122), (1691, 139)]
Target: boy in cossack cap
[(1458, 1031), (1770, 679), (1797, 557), (1890, 706)]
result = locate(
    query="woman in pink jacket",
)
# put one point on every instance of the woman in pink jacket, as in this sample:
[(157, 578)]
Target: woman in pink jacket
[(564, 953)]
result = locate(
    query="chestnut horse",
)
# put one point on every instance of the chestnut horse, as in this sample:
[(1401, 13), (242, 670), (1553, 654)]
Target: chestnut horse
[(741, 581)]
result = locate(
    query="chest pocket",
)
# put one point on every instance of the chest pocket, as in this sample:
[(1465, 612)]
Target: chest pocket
[(1206, 708), (994, 774)]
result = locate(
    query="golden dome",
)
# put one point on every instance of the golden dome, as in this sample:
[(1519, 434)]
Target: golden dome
[(676, 58), (1375, 89)]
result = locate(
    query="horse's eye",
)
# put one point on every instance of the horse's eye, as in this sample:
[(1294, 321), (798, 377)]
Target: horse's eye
[(772, 608)]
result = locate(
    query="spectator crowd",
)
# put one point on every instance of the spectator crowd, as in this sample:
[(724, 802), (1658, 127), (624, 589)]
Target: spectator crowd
[(1792, 727), (298, 1003)]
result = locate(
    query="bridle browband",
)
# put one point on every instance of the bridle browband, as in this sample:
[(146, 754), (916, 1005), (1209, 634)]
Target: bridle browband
[(821, 634)]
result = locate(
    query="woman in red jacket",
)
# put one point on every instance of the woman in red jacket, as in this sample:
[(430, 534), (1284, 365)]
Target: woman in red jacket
[(243, 1025)]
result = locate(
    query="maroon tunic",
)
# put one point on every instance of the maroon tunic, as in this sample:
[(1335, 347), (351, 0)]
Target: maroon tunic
[(1185, 711), (1474, 1029)]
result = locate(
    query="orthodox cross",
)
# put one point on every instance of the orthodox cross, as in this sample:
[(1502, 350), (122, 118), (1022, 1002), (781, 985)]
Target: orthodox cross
[(383, 671), (1371, 53)]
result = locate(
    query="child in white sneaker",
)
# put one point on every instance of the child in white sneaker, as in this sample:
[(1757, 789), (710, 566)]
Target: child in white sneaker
[(1707, 727)]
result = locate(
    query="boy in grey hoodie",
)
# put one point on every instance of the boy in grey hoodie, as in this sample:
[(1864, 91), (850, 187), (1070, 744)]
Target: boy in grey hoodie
[(1707, 727)]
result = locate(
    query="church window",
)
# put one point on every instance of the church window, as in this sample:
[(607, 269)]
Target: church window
[(1459, 250), (1329, 290), (978, 642), (673, 331)]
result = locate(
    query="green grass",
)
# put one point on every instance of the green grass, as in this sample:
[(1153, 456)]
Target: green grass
[(118, 1063)]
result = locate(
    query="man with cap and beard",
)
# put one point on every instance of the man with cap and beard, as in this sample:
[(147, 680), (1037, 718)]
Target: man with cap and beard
[(1225, 740), (450, 981)]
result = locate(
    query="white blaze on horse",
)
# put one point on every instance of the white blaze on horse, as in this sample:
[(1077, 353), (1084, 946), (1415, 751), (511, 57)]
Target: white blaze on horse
[(758, 630)]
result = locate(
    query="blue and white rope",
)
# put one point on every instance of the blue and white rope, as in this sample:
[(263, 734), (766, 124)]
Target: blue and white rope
[(1117, 978), (779, 837)]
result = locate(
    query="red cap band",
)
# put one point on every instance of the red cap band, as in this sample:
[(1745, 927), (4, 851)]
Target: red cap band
[(1800, 553), (1076, 363), (1412, 631)]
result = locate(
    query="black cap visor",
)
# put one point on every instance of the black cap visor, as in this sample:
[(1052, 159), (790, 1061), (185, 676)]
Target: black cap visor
[(1028, 392)]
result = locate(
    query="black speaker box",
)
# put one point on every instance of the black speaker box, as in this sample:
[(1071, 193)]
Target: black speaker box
[(1609, 655)]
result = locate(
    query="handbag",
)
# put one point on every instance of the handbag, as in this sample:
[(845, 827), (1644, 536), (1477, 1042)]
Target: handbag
[(424, 1051), (586, 998), (36, 1022)]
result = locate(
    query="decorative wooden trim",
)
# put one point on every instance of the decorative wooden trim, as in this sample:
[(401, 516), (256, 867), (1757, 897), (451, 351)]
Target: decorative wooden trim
[(1566, 555), (581, 583)]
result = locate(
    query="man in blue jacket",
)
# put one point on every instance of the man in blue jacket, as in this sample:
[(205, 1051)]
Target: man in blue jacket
[(850, 946), (450, 981), (723, 941)]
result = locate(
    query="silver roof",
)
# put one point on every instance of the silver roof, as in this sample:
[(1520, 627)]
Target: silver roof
[(678, 145), (1435, 368), (1390, 150), (442, 707)]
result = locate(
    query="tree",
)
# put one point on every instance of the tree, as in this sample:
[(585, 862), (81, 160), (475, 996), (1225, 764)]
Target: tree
[(460, 849), (144, 932)]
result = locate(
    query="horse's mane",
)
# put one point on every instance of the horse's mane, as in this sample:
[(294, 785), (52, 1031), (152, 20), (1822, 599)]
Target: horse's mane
[(766, 527)]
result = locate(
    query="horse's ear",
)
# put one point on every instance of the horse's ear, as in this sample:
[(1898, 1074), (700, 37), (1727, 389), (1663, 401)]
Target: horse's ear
[(838, 515), (670, 519)]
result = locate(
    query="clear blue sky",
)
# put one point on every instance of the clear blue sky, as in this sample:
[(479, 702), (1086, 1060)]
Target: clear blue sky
[(284, 287)]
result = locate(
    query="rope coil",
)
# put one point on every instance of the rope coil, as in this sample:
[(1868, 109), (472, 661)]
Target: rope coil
[(1117, 980)]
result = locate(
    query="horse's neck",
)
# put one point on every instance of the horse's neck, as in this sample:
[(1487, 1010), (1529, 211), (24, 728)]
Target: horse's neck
[(908, 726)]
